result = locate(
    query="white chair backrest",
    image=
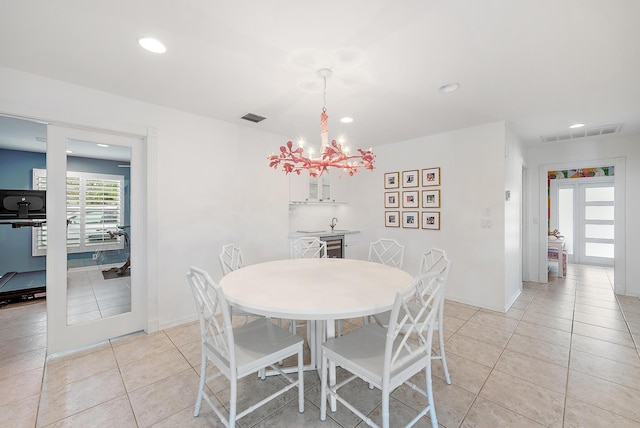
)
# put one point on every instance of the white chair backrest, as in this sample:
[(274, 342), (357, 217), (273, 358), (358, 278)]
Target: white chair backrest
[(230, 258), (410, 330), (308, 248), (215, 333), (434, 260), (387, 251)]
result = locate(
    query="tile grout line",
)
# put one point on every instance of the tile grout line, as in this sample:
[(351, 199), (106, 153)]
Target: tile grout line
[(126, 391), (566, 382), (494, 369)]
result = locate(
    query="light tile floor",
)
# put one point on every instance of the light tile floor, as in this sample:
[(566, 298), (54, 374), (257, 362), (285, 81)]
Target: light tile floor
[(91, 297), (564, 355)]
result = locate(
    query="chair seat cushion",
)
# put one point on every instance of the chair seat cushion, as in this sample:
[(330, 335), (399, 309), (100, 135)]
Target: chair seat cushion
[(362, 350), (259, 341)]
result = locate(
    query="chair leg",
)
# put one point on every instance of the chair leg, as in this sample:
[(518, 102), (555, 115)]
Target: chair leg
[(432, 406), (443, 358), (300, 381), (233, 401), (201, 386), (385, 407), (323, 388), (312, 340)]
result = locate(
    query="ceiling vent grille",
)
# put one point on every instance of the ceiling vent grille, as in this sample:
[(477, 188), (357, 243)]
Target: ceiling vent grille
[(581, 133), (253, 118)]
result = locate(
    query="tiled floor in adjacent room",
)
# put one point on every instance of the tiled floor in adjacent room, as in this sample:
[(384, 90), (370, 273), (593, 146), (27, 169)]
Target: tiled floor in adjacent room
[(564, 355), (91, 297)]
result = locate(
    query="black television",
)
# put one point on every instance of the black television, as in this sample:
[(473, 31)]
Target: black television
[(23, 204)]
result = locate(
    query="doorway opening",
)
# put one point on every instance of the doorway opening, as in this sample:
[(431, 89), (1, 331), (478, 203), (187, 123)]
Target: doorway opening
[(597, 241)]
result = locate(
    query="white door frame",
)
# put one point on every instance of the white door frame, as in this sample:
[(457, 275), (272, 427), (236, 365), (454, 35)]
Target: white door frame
[(60, 336), (620, 259), (524, 230)]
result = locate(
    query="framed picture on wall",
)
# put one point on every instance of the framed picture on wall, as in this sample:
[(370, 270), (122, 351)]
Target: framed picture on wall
[(431, 198), (410, 219), (392, 180), (410, 178), (431, 177), (392, 218), (431, 220), (410, 199), (392, 199)]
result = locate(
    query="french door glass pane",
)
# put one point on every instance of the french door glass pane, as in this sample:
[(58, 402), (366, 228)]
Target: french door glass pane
[(599, 231), (596, 249), (597, 212), (596, 194)]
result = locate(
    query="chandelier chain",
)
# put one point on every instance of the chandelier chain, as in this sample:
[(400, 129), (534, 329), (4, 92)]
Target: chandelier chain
[(324, 93)]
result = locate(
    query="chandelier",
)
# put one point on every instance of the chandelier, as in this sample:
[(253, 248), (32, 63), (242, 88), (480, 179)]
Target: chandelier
[(332, 154)]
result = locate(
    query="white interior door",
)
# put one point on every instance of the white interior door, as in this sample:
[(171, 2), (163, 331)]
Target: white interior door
[(67, 332)]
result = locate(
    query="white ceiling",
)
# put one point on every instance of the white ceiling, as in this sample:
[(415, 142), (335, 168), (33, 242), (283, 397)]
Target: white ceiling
[(541, 65)]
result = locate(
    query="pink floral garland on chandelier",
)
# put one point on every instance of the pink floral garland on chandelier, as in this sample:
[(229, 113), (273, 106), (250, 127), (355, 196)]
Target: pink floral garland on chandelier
[(332, 156)]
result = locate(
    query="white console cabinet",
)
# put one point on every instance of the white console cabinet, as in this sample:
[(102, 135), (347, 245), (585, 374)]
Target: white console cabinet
[(351, 245), (558, 245)]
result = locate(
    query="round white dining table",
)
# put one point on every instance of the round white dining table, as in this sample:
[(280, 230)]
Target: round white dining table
[(317, 290)]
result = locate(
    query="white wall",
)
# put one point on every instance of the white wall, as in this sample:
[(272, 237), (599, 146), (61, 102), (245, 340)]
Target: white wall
[(513, 217), (209, 183), (595, 151), (472, 167)]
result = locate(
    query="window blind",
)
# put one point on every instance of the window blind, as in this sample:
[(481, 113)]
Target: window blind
[(95, 207)]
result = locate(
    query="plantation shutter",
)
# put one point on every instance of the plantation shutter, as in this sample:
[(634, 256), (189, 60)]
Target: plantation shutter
[(94, 208)]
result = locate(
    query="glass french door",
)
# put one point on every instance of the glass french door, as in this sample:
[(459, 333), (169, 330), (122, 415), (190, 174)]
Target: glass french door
[(583, 211), (597, 224), (95, 192)]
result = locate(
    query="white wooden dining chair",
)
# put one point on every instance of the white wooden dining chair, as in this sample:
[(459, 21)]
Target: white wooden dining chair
[(432, 261), (308, 248), (387, 251), (239, 352), (386, 358), (231, 259)]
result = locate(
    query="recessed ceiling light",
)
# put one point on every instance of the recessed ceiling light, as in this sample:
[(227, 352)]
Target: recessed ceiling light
[(69, 151), (449, 87), (102, 145), (576, 125), (346, 120), (152, 45)]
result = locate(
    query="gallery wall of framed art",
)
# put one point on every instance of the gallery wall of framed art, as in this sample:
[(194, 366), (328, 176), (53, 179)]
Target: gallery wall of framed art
[(409, 191)]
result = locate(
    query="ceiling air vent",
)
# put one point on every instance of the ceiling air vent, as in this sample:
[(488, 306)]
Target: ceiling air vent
[(253, 118), (590, 132)]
